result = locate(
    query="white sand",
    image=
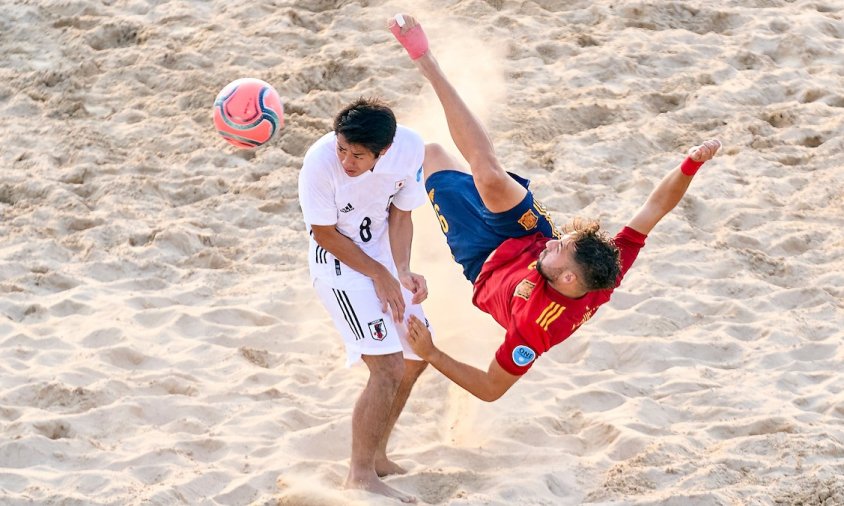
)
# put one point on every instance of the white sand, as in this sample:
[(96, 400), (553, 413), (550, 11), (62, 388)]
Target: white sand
[(160, 342)]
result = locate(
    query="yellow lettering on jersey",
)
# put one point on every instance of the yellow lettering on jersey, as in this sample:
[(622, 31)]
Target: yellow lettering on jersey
[(588, 314), (532, 266), (549, 315), (431, 195), (443, 222)]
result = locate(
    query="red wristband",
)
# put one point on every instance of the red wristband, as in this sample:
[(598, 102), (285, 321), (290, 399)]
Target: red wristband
[(689, 167)]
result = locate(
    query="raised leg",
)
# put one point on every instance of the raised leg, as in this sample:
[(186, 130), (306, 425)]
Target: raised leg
[(437, 159), (497, 189)]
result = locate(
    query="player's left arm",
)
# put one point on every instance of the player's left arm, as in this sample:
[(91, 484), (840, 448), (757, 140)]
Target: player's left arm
[(400, 229), (671, 189), (487, 386)]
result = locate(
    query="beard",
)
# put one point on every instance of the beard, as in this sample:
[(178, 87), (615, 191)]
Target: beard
[(541, 269)]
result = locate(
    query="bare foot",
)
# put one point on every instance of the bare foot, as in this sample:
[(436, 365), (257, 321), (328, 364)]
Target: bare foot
[(410, 35), (372, 483), (386, 467)]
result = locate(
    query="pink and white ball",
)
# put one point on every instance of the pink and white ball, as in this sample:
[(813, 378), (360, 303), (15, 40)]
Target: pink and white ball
[(248, 112)]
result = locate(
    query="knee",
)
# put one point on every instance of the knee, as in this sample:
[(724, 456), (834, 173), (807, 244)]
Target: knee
[(389, 371), (437, 159), (434, 152)]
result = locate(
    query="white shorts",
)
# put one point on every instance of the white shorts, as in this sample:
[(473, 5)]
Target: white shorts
[(365, 329)]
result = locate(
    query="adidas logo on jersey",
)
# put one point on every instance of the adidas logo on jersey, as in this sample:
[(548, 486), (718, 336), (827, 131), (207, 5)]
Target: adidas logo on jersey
[(349, 207)]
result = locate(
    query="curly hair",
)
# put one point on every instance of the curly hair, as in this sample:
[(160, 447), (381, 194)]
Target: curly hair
[(367, 122), (595, 253)]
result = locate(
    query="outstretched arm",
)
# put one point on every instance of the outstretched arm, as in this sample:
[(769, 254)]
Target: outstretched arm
[(486, 386), (671, 189)]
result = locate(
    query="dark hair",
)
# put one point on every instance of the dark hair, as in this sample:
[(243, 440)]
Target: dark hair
[(595, 254), (368, 122)]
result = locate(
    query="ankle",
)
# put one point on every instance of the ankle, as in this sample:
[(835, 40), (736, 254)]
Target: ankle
[(427, 64), (361, 475)]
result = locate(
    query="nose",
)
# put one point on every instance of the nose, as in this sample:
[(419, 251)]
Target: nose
[(553, 245), (346, 162)]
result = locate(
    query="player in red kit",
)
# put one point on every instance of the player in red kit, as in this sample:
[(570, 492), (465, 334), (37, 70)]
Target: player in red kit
[(539, 284)]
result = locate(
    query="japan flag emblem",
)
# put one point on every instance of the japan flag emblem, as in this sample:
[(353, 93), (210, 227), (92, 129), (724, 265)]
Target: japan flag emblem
[(378, 330)]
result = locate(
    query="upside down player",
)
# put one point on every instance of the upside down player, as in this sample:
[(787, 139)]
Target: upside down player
[(537, 284)]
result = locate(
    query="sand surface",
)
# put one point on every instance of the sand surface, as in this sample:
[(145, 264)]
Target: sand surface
[(159, 339)]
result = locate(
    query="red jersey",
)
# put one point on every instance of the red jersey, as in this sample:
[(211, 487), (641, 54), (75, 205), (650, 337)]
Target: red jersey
[(535, 315)]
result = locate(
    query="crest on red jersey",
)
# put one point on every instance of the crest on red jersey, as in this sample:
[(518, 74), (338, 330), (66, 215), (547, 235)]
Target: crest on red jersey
[(524, 289)]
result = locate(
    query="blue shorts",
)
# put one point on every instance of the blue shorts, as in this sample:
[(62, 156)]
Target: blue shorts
[(471, 230)]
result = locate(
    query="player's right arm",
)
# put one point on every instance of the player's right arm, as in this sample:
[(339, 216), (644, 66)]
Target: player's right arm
[(317, 198), (387, 288), (487, 385)]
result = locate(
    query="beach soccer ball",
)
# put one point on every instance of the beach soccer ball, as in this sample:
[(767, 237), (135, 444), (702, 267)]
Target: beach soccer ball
[(248, 112)]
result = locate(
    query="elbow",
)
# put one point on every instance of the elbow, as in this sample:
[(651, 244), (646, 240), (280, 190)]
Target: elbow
[(321, 236), (490, 395)]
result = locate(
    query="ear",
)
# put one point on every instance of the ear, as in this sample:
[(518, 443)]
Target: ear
[(384, 150), (569, 277)]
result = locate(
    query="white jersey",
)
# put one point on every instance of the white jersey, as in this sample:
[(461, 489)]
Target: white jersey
[(359, 206)]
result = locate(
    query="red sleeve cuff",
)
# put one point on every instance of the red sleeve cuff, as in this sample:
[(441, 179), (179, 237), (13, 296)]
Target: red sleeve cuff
[(689, 167), (633, 236)]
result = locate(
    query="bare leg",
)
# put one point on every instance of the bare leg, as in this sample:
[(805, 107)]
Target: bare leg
[(497, 189), (369, 423), (383, 465), (437, 159)]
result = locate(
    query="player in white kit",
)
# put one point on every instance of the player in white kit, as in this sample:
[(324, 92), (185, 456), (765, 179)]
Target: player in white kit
[(357, 187)]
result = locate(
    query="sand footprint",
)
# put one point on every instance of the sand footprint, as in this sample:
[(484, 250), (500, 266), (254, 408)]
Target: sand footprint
[(114, 35), (54, 429), (261, 358)]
